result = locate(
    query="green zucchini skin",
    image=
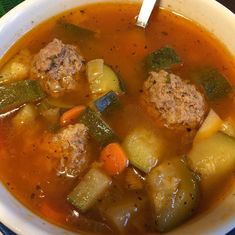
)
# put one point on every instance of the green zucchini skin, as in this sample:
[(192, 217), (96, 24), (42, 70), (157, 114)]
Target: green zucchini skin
[(89, 190), (97, 128), (174, 193), (214, 83), (144, 148), (107, 103), (213, 158), (18, 93), (164, 58), (76, 30)]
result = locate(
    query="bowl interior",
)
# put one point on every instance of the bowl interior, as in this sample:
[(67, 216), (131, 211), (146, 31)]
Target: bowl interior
[(23, 18)]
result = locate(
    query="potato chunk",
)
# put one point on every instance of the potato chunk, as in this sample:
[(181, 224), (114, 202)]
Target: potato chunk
[(17, 68)]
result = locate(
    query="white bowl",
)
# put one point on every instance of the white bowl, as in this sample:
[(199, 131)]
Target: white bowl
[(208, 13)]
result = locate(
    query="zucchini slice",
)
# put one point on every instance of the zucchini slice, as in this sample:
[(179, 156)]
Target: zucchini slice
[(102, 78), (173, 191), (89, 190), (213, 82), (107, 103), (214, 157), (76, 30), (143, 148), (97, 128), (164, 58), (18, 93)]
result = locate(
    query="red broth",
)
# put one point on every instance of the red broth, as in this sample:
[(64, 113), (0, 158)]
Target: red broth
[(27, 165)]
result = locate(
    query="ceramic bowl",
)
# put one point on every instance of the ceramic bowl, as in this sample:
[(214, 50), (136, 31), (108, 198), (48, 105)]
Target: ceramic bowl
[(207, 13)]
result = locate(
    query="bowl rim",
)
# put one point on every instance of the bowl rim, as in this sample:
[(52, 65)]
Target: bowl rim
[(6, 20)]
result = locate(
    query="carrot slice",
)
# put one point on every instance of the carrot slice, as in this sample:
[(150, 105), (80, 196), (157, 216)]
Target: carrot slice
[(114, 159), (70, 116)]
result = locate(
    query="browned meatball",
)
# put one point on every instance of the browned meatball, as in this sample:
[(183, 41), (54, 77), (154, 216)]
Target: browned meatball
[(72, 142), (56, 66), (174, 101)]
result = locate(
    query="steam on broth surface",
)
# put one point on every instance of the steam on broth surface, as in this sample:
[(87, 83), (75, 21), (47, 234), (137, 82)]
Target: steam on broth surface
[(106, 127)]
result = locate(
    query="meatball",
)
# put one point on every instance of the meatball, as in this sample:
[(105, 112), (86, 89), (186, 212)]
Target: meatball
[(56, 66), (72, 142), (175, 102)]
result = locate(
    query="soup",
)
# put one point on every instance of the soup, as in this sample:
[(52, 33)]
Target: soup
[(107, 127)]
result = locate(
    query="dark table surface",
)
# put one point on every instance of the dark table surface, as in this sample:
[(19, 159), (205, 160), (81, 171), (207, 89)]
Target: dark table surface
[(229, 4)]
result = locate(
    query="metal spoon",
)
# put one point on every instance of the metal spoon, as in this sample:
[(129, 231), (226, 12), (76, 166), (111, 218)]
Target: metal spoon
[(145, 12)]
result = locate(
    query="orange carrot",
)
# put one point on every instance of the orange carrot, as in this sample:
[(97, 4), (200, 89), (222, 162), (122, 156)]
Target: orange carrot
[(51, 214), (71, 115), (114, 159)]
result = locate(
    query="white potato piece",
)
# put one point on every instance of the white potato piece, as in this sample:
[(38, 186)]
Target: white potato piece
[(17, 68), (26, 115), (210, 126)]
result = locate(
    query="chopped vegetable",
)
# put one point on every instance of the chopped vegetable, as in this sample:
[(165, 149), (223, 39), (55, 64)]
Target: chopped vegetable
[(102, 78), (114, 159), (173, 192), (213, 157), (97, 128), (76, 30), (17, 68), (26, 115), (95, 68), (163, 58), (143, 149), (133, 180), (228, 127), (71, 115), (210, 126), (213, 82), (110, 81), (120, 213), (107, 103), (89, 190), (18, 93)]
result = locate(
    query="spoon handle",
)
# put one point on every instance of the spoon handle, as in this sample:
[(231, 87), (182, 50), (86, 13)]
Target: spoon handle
[(145, 12)]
